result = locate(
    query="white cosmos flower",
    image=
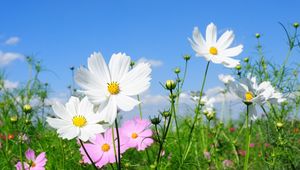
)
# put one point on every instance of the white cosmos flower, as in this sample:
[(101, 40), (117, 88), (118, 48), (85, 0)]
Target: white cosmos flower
[(76, 119), (214, 50), (112, 86), (225, 78), (249, 91)]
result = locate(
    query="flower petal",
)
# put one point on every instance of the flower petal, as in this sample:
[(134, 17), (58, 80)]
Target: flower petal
[(97, 65), (232, 52), (225, 40), (109, 111), (61, 111), (30, 155), (211, 34), (119, 66), (126, 103), (72, 105), (57, 123), (136, 80)]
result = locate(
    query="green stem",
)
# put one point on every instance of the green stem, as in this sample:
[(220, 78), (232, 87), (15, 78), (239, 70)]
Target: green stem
[(248, 138), (87, 154), (21, 155), (114, 145), (140, 106), (198, 108), (165, 132), (119, 146)]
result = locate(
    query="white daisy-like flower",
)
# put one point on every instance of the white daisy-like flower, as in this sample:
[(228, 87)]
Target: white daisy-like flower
[(214, 50), (112, 86), (225, 78), (76, 119), (252, 93)]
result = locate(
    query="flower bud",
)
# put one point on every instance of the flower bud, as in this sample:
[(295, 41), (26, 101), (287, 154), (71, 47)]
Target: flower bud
[(27, 108), (165, 114), (170, 84), (279, 125), (14, 118), (210, 115), (132, 63), (187, 57), (296, 24), (155, 120), (257, 35), (177, 70), (238, 67), (246, 60)]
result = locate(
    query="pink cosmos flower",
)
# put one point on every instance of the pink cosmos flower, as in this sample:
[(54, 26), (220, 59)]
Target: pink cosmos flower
[(33, 163), (101, 149), (136, 134)]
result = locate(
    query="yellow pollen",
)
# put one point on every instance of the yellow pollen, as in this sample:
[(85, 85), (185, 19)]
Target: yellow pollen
[(79, 121), (33, 164), (248, 96), (105, 147), (134, 135), (113, 88), (213, 50)]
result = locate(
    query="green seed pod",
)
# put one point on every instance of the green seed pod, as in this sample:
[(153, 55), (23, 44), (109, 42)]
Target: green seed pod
[(257, 35), (177, 70), (296, 25)]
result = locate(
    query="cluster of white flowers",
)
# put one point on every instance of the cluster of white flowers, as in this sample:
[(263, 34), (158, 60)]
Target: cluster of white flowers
[(108, 89)]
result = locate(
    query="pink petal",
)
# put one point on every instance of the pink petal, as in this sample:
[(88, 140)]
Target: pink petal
[(94, 151), (103, 161), (41, 159), (30, 155), (146, 133)]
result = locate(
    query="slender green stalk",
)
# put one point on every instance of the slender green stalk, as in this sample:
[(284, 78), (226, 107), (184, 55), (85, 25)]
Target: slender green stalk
[(198, 108), (21, 155), (119, 146), (248, 138), (140, 106), (87, 154), (114, 145), (165, 131)]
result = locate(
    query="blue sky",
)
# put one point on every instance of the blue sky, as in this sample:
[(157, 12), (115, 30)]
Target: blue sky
[(64, 33)]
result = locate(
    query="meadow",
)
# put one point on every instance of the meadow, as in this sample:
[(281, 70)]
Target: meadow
[(88, 132)]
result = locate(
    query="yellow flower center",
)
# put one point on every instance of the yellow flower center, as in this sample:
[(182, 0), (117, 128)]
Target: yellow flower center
[(79, 121), (113, 88), (213, 50), (248, 96), (33, 164), (105, 147), (134, 135)]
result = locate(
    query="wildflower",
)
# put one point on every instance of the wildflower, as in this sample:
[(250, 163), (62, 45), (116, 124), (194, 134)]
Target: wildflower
[(112, 86), (242, 152), (251, 145), (228, 163), (76, 119), (252, 93), (137, 134), (33, 162), (101, 149), (206, 155), (215, 50), (225, 78), (232, 129)]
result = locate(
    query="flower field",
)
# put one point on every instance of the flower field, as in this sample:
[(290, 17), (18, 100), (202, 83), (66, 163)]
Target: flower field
[(91, 131)]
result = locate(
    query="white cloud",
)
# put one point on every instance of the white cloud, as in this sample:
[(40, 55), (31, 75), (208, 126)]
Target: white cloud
[(154, 63), (8, 57), (10, 85), (60, 97), (12, 41)]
